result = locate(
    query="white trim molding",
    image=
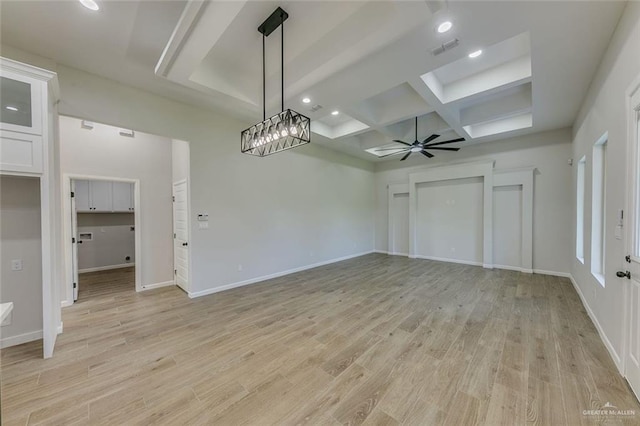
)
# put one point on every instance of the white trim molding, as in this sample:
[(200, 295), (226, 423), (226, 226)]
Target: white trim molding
[(6, 342), (194, 294), (146, 287), (106, 268), (458, 171), (607, 343)]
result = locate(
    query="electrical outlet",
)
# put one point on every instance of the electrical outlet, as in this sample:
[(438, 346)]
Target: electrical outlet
[(311, 253), (240, 267), (16, 265)]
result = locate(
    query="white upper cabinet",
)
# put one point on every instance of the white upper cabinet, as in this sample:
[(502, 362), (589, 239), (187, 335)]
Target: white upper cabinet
[(101, 196), (24, 108), (21, 102), (122, 197), (98, 196), (81, 194)]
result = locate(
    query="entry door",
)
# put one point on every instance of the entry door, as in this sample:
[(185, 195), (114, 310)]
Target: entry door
[(632, 262), (74, 240), (181, 234)]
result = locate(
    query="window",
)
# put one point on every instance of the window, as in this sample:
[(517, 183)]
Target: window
[(580, 210), (598, 202)]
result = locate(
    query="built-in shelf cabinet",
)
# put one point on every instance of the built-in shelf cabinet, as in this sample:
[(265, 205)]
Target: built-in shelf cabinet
[(28, 146), (99, 196), (21, 122)]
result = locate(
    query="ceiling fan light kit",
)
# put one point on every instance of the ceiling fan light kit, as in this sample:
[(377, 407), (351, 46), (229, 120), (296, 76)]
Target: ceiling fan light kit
[(285, 130), (422, 147)]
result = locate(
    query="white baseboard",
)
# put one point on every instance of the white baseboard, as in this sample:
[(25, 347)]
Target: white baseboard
[(381, 251), (514, 268), (607, 343), (106, 268), (158, 285), (66, 304), (195, 294), (6, 342), (553, 273), (60, 327), (443, 259)]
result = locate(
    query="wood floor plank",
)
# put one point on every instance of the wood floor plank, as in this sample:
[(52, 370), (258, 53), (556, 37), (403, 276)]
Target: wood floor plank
[(373, 340)]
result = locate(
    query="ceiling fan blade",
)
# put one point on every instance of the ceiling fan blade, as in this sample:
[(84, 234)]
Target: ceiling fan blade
[(403, 143), (393, 153), (391, 149), (426, 154), (405, 157), (442, 148), (430, 138), (449, 141)]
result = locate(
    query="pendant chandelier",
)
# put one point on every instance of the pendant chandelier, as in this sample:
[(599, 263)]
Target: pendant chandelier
[(288, 128)]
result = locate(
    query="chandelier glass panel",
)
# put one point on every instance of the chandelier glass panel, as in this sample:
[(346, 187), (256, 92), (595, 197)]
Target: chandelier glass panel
[(288, 128)]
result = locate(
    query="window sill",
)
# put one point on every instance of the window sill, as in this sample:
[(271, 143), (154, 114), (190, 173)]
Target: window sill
[(599, 277)]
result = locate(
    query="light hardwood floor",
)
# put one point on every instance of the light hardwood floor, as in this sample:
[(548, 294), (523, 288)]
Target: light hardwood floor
[(373, 340)]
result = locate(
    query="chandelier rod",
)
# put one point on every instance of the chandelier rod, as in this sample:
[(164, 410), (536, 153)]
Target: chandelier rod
[(264, 85), (282, 58)]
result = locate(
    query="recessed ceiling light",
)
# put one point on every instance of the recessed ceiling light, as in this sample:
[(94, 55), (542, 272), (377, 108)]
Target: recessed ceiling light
[(11, 108), (306, 100), (445, 26), (335, 113), (90, 4), (475, 54)]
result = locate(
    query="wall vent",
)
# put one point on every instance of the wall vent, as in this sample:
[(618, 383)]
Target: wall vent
[(445, 46), (316, 107)]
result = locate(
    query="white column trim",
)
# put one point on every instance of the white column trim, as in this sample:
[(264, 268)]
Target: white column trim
[(459, 171), (524, 178), (399, 188)]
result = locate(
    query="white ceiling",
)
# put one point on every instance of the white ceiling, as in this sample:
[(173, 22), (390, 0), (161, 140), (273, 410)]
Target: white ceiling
[(371, 60)]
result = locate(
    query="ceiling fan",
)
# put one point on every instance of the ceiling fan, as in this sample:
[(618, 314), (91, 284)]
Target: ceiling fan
[(421, 147)]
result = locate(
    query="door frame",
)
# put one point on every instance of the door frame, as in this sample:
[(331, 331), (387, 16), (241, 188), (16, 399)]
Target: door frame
[(67, 233), (629, 227), (175, 277)]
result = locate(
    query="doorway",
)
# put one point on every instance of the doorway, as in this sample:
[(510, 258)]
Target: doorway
[(104, 241), (181, 234)]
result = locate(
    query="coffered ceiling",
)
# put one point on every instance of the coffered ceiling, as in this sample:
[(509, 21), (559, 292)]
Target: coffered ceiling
[(372, 61)]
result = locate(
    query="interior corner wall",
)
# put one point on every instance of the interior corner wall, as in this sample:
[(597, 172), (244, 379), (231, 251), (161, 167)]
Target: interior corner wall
[(102, 151), (547, 151), (20, 239), (288, 211), (604, 110)]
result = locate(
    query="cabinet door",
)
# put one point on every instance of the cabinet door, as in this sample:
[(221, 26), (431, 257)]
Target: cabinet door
[(21, 99), (101, 196), (20, 152), (122, 197), (132, 201), (81, 194)]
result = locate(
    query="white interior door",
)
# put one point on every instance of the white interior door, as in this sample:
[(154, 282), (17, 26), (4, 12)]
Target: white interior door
[(181, 234), (632, 362), (74, 240)]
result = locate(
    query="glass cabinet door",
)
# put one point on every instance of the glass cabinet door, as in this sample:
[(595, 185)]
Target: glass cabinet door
[(20, 104)]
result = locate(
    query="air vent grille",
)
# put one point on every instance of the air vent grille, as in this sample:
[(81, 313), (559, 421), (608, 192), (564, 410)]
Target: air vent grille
[(316, 107), (445, 46)]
